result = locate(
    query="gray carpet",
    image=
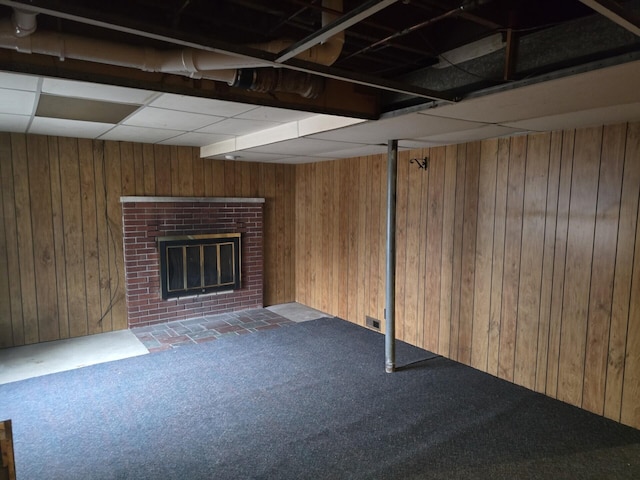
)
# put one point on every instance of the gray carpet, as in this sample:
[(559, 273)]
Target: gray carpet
[(308, 401)]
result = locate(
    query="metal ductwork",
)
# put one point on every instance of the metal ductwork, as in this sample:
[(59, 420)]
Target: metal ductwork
[(19, 33)]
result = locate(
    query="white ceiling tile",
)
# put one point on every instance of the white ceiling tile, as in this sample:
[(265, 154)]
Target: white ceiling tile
[(303, 146), (417, 143), (402, 127), (272, 114), (237, 126), (218, 148), (356, 151), (584, 118), (18, 82), (597, 88), (17, 102), (95, 91), (303, 159), (193, 139), (247, 156), (68, 128), (487, 131), (322, 123), (200, 105), (169, 119), (285, 131), (127, 133), (14, 123)]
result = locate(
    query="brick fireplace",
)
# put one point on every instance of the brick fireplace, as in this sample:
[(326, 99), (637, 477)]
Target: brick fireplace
[(148, 219)]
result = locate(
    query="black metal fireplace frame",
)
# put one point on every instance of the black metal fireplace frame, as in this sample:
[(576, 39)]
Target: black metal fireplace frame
[(218, 239)]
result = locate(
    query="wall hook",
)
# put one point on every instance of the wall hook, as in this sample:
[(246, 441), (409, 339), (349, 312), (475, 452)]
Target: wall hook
[(423, 164)]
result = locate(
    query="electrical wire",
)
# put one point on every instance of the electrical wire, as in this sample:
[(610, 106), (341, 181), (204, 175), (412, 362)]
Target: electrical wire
[(114, 293)]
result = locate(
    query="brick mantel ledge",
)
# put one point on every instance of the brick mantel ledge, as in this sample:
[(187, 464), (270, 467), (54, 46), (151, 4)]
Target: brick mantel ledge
[(190, 200)]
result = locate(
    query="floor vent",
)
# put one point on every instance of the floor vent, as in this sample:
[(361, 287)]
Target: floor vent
[(372, 323)]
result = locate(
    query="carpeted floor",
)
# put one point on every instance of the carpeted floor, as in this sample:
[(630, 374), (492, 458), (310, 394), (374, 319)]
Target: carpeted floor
[(310, 401)]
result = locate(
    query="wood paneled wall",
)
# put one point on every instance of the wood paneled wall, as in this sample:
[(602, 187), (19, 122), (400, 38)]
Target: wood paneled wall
[(61, 262), (518, 256)]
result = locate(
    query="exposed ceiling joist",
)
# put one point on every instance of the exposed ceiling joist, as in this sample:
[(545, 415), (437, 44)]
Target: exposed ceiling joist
[(76, 14), (339, 25), (616, 13)]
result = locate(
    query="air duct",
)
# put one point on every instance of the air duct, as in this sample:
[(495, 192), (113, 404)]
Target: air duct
[(20, 34)]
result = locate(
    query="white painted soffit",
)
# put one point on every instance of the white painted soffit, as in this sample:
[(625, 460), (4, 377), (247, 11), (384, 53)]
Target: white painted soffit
[(281, 133)]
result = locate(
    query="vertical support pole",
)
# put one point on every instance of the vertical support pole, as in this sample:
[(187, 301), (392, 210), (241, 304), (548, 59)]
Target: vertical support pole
[(390, 297)]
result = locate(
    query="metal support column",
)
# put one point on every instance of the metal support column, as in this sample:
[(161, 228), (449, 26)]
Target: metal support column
[(390, 297)]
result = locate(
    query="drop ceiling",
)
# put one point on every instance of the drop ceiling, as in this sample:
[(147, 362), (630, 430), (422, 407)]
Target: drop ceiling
[(477, 98)]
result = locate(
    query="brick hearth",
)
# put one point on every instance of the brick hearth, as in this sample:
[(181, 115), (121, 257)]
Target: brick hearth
[(147, 218)]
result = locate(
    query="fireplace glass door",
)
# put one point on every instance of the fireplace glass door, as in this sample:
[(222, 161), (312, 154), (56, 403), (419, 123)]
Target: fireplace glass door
[(199, 264)]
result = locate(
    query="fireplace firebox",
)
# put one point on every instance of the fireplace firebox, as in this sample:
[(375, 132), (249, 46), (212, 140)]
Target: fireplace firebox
[(196, 264)]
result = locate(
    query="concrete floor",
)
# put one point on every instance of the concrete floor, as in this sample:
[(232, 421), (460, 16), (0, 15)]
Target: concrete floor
[(28, 361)]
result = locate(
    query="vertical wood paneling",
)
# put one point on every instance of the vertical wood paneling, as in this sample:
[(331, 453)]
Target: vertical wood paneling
[(512, 249), (446, 267), (149, 170), (162, 170), (341, 257), (519, 256), (117, 301), (437, 166), (198, 175), (457, 252), (105, 321), (623, 274), (382, 228), (7, 338), (90, 232), (43, 249), (484, 253), (127, 169), (11, 235), (61, 258), (58, 239), (73, 239), (555, 152), (499, 224), (401, 240), (25, 238), (412, 256), (469, 232), (603, 266), (559, 262), (630, 407), (422, 242), (353, 264), (138, 168), (535, 196), (575, 304)]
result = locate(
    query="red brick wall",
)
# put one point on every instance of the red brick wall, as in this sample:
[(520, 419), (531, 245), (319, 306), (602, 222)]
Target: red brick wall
[(144, 221)]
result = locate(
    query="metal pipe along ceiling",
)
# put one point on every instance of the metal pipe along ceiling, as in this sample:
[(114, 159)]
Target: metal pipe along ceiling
[(19, 33)]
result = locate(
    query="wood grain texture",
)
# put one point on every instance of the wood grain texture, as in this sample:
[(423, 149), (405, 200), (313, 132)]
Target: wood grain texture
[(26, 258), (630, 406), (512, 250), (61, 227), (43, 249), (484, 254), (519, 255), (535, 195), (603, 267), (446, 266), (575, 303), (510, 254), (497, 271), (626, 244)]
